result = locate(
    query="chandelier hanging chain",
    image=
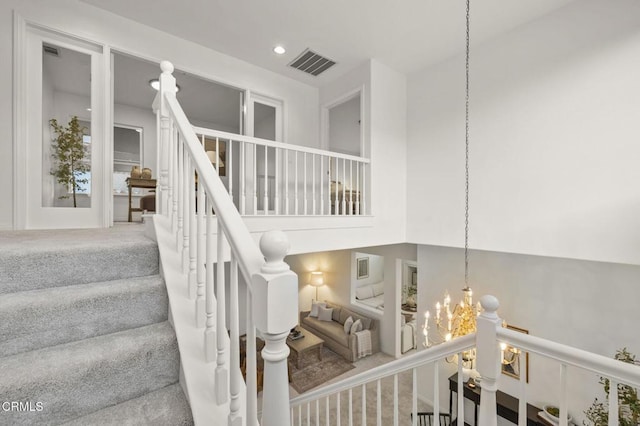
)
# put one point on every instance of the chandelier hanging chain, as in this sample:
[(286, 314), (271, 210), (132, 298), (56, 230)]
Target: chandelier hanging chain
[(466, 164)]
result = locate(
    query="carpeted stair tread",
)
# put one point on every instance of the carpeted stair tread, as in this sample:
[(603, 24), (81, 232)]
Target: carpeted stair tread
[(167, 406), (31, 260), (36, 319), (79, 378)]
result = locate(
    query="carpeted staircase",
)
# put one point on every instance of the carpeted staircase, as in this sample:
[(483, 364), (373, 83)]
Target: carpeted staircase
[(84, 336)]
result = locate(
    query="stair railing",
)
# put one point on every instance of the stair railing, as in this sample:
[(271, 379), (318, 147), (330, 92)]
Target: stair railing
[(315, 407), (209, 231), (275, 178)]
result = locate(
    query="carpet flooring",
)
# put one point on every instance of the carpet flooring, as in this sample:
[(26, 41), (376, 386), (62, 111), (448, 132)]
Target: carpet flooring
[(313, 372), (84, 336)]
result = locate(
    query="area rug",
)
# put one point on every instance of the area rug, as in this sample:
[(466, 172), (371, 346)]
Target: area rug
[(314, 372)]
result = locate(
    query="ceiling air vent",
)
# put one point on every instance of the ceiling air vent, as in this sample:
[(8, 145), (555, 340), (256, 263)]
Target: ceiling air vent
[(311, 63), (51, 50)]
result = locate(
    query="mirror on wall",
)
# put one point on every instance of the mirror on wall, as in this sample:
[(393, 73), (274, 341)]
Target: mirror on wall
[(367, 281), (409, 286)]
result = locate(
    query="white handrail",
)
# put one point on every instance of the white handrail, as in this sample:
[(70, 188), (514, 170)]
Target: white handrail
[(238, 235), (273, 144), (408, 362), (620, 371)]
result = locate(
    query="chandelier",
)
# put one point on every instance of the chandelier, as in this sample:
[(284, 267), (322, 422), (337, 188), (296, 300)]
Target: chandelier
[(461, 319)]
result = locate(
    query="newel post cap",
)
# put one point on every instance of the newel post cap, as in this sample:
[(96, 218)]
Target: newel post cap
[(490, 305), (166, 67), (274, 246)]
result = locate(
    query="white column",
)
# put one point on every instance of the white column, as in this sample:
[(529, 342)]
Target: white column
[(488, 359), (167, 85), (275, 312)]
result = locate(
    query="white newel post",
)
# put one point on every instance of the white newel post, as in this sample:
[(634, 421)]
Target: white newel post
[(167, 85), (275, 312), (488, 359)]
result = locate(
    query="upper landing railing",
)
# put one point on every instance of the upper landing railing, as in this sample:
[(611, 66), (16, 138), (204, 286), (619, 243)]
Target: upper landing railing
[(274, 178)]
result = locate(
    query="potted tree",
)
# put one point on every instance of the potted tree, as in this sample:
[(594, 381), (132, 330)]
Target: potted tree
[(69, 152), (629, 404)]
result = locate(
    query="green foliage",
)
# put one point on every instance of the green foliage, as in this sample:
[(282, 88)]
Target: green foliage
[(629, 405), (69, 152)]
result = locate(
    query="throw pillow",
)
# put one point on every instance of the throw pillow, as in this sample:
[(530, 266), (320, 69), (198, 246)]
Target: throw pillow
[(324, 314), (347, 325), (314, 308), (378, 289), (355, 327)]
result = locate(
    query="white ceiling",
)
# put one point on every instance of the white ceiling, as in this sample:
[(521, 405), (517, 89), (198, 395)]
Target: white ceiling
[(407, 35)]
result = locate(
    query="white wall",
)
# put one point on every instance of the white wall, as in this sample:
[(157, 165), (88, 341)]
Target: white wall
[(589, 305), (82, 20), (554, 139)]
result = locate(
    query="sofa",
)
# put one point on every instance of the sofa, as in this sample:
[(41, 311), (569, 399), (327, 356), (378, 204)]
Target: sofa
[(333, 334)]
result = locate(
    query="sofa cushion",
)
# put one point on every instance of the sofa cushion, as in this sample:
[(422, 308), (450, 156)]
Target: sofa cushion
[(364, 292), (378, 289), (314, 308), (324, 314), (330, 329), (336, 311), (347, 325), (346, 313)]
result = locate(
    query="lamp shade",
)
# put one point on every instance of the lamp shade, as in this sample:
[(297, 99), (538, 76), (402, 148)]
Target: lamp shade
[(316, 279)]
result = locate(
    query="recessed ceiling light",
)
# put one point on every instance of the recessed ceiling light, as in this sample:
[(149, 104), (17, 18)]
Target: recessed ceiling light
[(279, 50), (155, 83)]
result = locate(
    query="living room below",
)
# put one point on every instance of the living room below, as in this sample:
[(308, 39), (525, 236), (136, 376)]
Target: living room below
[(340, 268)]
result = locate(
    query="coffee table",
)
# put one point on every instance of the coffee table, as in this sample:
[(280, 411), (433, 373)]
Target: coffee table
[(308, 343)]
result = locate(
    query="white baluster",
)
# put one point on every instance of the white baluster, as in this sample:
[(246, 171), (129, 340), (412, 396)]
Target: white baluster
[(395, 399), (613, 404), (364, 405), (243, 179), (344, 186), (313, 184), (217, 156), (563, 395), (336, 206), (266, 182), (318, 412), (175, 143), (436, 393), (300, 415), (350, 187), (229, 167), (276, 197), (338, 414), (275, 282), (200, 258), (222, 376), (350, 406), (460, 400), (210, 330), (286, 182), (193, 227), (296, 190), (358, 188), (171, 177), (186, 217), (308, 413), (363, 195), (255, 180), (178, 196), (321, 187), (235, 417), (414, 398), (304, 189), (522, 403), (250, 365), (488, 359), (379, 404)]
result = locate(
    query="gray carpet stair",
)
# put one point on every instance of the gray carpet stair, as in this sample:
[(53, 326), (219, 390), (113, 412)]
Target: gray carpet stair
[(151, 409), (84, 336), (35, 319)]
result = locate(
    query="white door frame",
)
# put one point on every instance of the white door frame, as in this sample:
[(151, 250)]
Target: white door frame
[(325, 122), (29, 213)]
